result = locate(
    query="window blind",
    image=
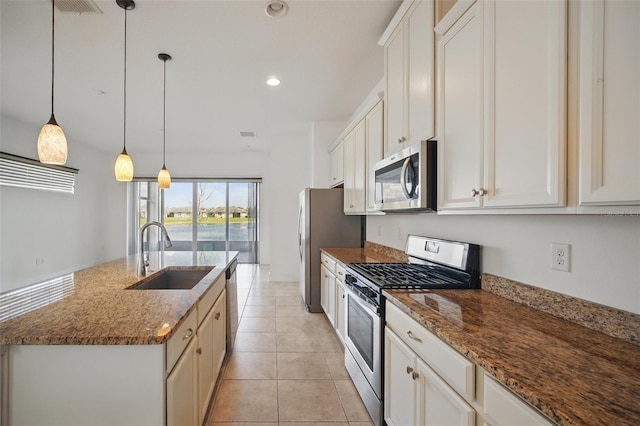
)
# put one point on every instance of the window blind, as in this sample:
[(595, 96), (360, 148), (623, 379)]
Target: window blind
[(25, 172)]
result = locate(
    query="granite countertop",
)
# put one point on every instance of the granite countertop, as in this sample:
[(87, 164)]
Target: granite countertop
[(371, 253), (101, 311), (572, 374)]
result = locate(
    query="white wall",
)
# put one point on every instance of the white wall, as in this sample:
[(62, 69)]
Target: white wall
[(289, 175), (323, 135), (69, 231), (605, 250)]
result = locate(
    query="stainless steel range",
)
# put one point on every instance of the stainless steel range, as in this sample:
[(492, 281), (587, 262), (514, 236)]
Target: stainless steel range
[(433, 264)]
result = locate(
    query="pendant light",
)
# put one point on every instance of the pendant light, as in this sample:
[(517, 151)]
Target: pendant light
[(164, 178), (124, 165), (52, 144)]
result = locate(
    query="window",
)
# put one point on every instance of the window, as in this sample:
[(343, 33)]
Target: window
[(203, 215)]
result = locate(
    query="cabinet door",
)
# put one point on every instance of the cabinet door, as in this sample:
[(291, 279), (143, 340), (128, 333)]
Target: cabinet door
[(341, 306), (438, 403), (374, 123), (359, 168), (324, 289), (503, 408), (460, 104), (349, 172), (206, 376), (399, 368), (337, 165), (219, 332), (609, 102), (395, 92), (525, 103), (182, 390), (420, 73)]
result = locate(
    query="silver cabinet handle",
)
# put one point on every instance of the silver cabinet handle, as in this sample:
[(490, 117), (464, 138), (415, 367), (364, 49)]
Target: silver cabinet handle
[(415, 375), (217, 315), (199, 351), (474, 192), (409, 370), (410, 334), (188, 335), (482, 192), (402, 139)]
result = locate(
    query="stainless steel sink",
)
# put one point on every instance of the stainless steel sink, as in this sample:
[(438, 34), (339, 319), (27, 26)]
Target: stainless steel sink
[(173, 279)]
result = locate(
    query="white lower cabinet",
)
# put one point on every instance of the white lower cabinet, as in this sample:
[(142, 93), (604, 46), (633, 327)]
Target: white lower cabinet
[(332, 293), (503, 408), (182, 391), (427, 382), (416, 395), (210, 353)]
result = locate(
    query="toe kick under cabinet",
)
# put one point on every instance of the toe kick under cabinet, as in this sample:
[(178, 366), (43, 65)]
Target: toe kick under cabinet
[(429, 383), (152, 384)]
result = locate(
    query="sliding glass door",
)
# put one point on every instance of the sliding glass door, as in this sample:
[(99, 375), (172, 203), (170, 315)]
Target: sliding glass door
[(204, 215)]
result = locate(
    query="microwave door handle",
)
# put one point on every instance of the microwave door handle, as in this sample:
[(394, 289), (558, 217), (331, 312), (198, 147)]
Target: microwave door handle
[(403, 177)]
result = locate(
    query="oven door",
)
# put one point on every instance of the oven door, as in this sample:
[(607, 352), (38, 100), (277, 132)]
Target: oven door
[(363, 339)]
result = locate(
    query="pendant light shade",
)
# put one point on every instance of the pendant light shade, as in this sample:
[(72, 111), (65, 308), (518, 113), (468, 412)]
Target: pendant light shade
[(52, 144), (124, 165), (164, 178)]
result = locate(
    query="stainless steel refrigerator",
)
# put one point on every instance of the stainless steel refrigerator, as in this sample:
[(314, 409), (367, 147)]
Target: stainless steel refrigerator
[(322, 224)]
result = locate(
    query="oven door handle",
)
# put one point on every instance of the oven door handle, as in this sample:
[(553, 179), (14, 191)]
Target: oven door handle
[(363, 304)]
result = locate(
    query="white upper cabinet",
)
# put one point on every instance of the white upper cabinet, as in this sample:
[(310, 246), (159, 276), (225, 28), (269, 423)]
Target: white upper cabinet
[(502, 104), (460, 102), (337, 165), (609, 104), (374, 124), (525, 109), (409, 77), (354, 170)]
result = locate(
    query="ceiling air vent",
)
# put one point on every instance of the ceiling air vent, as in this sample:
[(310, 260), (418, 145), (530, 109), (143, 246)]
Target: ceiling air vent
[(77, 6), (248, 134)]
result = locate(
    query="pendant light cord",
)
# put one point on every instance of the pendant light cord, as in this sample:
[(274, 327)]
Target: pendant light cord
[(124, 129), (53, 23), (164, 113)]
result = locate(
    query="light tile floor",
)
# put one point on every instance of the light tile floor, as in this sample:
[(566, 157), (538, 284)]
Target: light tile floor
[(287, 366)]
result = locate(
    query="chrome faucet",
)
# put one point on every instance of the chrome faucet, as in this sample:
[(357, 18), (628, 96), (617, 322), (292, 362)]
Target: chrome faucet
[(144, 260)]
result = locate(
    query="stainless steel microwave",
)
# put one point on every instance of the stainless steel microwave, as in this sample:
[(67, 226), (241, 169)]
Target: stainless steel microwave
[(406, 181)]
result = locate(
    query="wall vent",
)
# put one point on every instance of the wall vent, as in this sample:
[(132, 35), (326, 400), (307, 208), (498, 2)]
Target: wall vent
[(77, 6), (248, 134), (24, 172)]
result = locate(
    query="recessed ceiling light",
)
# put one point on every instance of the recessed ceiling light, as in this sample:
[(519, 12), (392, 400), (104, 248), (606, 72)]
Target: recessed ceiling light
[(276, 8), (273, 81)]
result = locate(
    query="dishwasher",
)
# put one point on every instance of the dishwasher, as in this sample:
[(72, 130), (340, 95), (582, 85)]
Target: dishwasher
[(232, 304)]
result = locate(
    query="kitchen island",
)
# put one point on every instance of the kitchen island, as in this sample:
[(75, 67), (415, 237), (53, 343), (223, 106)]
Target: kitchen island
[(107, 354)]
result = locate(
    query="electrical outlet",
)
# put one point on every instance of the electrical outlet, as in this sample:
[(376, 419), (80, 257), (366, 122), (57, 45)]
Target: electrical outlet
[(561, 257)]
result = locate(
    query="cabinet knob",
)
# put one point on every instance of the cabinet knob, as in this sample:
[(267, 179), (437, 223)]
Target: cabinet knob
[(402, 139), (415, 375), (350, 206), (474, 192), (412, 337), (409, 370), (188, 335), (335, 178), (217, 315), (482, 192), (199, 351)]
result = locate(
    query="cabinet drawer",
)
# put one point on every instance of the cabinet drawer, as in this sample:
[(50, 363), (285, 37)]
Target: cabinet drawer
[(181, 338), (454, 368), (328, 262), (210, 297), (502, 407), (340, 272)]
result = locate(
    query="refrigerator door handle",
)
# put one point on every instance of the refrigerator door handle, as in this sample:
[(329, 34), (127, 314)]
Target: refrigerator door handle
[(300, 232)]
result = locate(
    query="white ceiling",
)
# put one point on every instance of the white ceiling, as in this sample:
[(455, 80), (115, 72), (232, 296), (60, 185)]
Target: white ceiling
[(325, 52)]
